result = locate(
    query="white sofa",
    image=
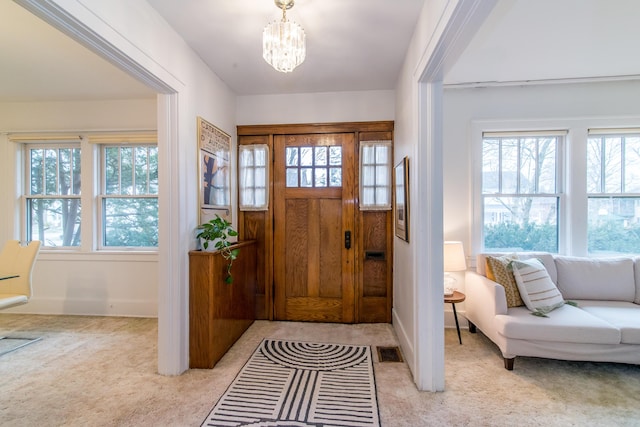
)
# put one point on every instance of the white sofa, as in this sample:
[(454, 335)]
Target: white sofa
[(604, 326)]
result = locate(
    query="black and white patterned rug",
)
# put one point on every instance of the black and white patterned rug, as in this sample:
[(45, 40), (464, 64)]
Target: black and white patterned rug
[(289, 383)]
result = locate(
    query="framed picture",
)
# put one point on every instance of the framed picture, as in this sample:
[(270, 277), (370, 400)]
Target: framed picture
[(214, 172), (402, 199)]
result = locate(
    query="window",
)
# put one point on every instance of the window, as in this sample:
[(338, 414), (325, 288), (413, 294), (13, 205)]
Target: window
[(521, 191), (129, 196), (319, 166), (375, 175), (253, 163), (53, 204), (613, 187), (91, 191)]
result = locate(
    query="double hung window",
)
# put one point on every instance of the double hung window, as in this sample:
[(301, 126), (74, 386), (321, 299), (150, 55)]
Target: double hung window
[(53, 204), (92, 192), (129, 196), (613, 187), (521, 190)]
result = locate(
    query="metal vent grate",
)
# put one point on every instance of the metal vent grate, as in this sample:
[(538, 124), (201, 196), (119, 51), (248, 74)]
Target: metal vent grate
[(389, 354)]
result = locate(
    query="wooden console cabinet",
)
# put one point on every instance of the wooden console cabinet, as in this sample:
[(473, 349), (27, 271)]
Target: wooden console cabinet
[(219, 313)]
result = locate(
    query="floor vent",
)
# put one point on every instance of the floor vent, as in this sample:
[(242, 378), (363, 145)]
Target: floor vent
[(389, 354)]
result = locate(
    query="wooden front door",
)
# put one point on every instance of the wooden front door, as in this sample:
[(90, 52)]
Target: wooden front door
[(314, 220)]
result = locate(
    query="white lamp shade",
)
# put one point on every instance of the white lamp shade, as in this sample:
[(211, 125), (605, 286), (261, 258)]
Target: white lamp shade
[(454, 259)]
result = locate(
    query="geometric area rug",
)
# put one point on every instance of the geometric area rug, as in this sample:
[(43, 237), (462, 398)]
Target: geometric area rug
[(300, 384)]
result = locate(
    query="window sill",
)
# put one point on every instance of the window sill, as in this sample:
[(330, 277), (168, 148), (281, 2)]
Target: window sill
[(119, 256)]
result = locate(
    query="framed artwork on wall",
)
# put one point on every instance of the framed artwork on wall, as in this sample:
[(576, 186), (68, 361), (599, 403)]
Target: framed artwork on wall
[(214, 171), (401, 213)]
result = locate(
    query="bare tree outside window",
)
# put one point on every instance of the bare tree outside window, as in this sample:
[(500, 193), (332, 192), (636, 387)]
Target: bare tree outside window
[(613, 187), (53, 200), (520, 192)]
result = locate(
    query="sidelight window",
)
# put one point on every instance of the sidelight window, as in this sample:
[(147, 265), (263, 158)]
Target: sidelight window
[(253, 163), (375, 175)]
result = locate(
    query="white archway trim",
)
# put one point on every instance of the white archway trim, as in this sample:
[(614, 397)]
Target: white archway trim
[(461, 20)]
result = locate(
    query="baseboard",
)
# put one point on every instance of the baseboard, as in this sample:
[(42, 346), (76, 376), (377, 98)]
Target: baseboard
[(450, 321), (406, 343), (89, 307)]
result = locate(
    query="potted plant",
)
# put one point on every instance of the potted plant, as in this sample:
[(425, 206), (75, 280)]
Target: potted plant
[(218, 231)]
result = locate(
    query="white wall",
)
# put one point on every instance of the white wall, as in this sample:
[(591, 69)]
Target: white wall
[(557, 106), (327, 107), (78, 283)]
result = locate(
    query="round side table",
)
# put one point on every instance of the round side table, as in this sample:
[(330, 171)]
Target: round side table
[(456, 297)]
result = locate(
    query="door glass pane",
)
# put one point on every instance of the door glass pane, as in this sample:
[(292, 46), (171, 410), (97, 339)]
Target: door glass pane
[(292, 177), (321, 156), (335, 156), (321, 177), (306, 177), (335, 177), (306, 156), (292, 156)]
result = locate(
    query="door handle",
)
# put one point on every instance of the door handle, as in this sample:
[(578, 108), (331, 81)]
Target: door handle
[(347, 239)]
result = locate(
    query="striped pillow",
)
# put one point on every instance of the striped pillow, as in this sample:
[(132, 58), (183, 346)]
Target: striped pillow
[(537, 290)]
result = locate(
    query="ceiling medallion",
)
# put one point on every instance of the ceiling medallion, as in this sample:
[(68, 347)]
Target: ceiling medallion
[(284, 41)]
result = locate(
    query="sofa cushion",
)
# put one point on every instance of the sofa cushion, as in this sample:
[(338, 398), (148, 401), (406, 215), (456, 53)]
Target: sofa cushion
[(565, 324), (538, 292), (498, 271), (596, 279), (623, 315), (546, 258)]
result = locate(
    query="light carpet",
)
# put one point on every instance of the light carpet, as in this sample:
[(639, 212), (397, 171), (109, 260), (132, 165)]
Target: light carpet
[(291, 383)]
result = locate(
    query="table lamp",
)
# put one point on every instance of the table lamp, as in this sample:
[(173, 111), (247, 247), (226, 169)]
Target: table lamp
[(453, 261)]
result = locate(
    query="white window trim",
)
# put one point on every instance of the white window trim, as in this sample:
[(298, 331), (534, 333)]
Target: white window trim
[(572, 226), (90, 173)]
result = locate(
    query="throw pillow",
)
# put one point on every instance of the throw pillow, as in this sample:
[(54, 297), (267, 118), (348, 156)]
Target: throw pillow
[(498, 271), (537, 290)]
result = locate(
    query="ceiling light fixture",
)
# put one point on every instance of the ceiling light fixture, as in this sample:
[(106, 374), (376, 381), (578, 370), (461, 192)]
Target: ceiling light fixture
[(283, 42)]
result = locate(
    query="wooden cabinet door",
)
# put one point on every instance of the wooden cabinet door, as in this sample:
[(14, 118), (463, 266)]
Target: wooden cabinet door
[(314, 197)]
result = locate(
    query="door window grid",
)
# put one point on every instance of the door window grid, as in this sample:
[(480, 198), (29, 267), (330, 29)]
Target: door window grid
[(613, 192), (313, 167), (375, 175)]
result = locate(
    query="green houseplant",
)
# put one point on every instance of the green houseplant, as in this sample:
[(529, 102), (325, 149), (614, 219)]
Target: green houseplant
[(218, 231)]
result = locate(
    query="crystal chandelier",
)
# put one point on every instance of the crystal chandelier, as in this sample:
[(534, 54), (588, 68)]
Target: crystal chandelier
[(283, 42)]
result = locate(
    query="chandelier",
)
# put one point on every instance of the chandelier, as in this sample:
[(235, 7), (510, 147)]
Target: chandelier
[(283, 42)]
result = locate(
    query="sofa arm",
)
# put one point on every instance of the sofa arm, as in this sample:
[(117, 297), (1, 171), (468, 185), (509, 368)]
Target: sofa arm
[(485, 299)]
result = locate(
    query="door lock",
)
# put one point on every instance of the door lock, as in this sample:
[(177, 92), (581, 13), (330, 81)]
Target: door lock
[(347, 239)]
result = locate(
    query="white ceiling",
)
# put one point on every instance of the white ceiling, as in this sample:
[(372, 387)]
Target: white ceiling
[(39, 63), (351, 45), (551, 40)]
